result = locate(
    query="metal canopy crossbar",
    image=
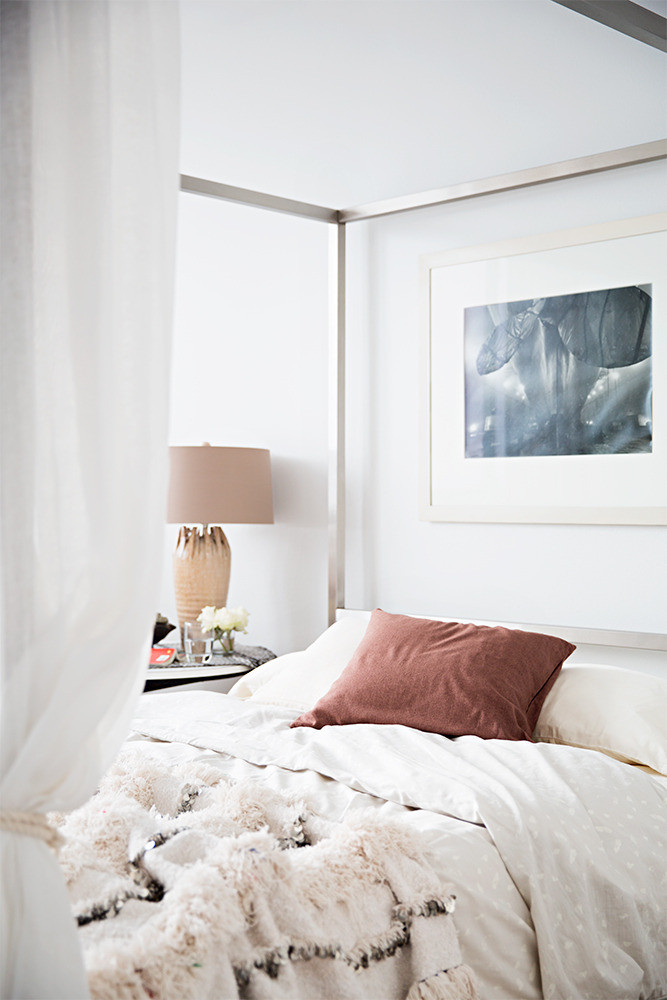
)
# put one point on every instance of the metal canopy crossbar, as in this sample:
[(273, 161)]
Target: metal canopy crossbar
[(580, 167), (338, 219), (597, 163), (244, 196)]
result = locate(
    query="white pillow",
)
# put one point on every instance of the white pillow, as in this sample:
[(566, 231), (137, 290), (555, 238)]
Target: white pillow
[(619, 712), (298, 680)]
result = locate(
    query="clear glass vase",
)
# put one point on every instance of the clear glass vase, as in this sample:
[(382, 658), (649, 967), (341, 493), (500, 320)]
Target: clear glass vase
[(227, 643)]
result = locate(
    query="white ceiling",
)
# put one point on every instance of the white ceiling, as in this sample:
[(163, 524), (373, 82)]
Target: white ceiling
[(341, 102)]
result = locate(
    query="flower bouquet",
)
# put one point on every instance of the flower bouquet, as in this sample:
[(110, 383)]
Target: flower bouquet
[(223, 622)]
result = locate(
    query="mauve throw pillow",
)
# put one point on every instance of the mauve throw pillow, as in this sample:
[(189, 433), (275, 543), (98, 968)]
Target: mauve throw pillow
[(444, 677)]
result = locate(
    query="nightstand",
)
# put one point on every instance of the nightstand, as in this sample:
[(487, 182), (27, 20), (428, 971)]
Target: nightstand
[(241, 661)]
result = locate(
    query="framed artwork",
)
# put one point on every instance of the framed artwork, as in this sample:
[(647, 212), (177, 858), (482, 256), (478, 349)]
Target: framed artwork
[(545, 378)]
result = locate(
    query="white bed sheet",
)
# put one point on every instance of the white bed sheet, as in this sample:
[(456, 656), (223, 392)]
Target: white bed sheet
[(556, 854)]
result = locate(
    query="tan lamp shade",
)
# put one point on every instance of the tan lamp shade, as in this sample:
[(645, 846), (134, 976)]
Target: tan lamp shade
[(219, 486), (212, 486)]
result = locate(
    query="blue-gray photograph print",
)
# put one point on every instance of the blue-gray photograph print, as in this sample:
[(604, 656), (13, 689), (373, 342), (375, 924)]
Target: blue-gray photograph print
[(562, 375)]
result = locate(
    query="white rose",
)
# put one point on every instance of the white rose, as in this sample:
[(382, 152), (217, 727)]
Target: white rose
[(207, 618), (240, 616), (224, 620)]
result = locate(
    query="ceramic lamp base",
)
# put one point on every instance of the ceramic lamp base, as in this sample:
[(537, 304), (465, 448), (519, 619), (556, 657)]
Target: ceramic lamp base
[(202, 564)]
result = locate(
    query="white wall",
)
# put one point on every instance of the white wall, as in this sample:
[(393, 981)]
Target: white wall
[(595, 576), (249, 369), (342, 102)]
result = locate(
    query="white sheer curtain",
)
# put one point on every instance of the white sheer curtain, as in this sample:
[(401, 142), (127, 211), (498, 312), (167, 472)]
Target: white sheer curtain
[(89, 193)]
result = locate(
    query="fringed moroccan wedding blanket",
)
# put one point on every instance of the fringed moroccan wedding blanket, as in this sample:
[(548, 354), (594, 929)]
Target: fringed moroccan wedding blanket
[(188, 886)]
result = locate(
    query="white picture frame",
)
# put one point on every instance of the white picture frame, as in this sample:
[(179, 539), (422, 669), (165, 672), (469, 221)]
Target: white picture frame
[(571, 488)]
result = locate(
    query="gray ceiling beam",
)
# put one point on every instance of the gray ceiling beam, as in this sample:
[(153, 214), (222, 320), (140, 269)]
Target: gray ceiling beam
[(622, 15)]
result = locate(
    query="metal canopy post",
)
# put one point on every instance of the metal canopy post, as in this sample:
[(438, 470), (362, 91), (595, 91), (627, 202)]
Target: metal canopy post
[(336, 482)]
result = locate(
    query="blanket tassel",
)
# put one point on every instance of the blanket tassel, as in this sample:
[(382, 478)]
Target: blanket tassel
[(452, 984)]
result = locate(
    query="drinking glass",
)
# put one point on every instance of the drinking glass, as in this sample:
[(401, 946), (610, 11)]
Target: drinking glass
[(198, 644)]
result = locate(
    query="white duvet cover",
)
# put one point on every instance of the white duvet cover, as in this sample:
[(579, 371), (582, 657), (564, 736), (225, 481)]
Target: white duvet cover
[(556, 854)]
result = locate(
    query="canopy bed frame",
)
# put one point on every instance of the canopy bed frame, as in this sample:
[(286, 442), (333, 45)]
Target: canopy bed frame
[(337, 220), (243, 814)]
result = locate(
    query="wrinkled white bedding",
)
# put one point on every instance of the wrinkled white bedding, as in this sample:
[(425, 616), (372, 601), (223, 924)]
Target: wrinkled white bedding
[(556, 854)]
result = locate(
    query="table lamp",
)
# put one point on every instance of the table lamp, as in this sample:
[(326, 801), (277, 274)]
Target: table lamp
[(208, 487)]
